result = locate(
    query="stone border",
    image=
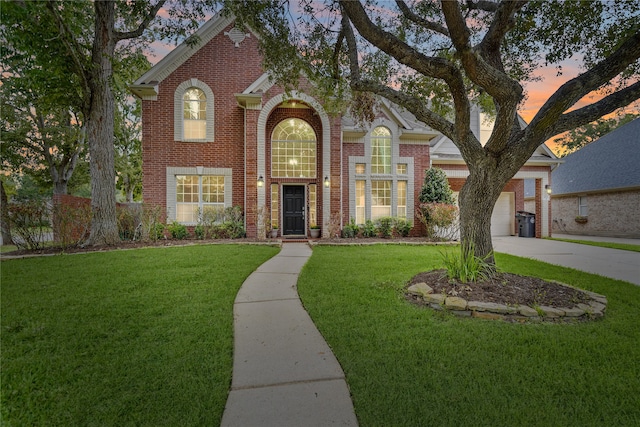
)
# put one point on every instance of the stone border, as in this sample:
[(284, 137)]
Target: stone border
[(520, 313)]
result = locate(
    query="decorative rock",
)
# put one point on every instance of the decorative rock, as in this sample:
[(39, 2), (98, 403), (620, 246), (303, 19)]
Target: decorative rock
[(491, 306), (420, 289), (435, 298), (461, 313), (573, 312), (598, 307), (455, 303), (487, 315), (551, 312), (600, 298), (527, 311)]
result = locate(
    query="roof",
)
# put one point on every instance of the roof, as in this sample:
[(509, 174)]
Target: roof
[(611, 162)]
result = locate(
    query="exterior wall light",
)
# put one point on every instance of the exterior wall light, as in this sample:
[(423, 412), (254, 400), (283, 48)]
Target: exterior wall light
[(326, 181), (260, 181), (548, 188)]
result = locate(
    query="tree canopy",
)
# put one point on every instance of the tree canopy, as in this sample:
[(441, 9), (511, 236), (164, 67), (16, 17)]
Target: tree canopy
[(437, 59)]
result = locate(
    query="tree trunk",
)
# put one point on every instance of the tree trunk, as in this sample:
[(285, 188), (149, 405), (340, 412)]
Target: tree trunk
[(100, 127), (4, 221)]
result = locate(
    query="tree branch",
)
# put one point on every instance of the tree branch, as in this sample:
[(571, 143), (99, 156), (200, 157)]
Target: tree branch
[(419, 20), (439, 68), (592, 112), (573, 90), (143, 25), (503, 21), (75, 51), (487, 6)]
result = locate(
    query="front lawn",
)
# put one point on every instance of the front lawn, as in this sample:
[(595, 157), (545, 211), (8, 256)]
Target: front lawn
[(137, 337), (611, 245), (410, 366)]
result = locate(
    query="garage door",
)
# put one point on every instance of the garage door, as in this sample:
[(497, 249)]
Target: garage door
[(503, 218)]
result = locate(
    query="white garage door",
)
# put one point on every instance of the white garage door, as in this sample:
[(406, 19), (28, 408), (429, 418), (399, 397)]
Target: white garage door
[(503, 218)]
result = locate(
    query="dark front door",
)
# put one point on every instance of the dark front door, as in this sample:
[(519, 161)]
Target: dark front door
[(293, 210)]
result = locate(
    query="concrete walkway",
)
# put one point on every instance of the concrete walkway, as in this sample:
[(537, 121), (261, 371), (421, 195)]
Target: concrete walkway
[(284, 373), (614, 263)]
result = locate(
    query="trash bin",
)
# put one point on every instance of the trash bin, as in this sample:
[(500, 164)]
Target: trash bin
[(526, 224)]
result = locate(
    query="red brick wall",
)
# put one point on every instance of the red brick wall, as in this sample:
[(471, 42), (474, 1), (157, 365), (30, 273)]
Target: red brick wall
[(227, 70)]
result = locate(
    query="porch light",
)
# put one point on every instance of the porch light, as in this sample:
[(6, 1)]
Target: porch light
[(260, 181), (326, 181), (547, 188)]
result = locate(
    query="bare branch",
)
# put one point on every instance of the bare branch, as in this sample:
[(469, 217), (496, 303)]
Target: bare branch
[(419, 20), (143, 25)]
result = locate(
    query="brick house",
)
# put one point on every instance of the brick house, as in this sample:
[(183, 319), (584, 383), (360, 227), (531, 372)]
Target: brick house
[(600, 183), (218, 132)]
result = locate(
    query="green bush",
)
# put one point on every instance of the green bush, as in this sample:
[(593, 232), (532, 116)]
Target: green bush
[(127, 223), (385, 227), (369, 229), (350, 230), (436, 187), (71, 224), (29, 221), (402, 227), (465, 266), (178, 231)]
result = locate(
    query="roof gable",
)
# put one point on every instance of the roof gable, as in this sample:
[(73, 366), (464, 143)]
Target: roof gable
[(612, 162), (184, 50)]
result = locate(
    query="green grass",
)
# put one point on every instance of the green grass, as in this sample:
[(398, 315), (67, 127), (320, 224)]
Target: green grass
[(8, 248), (611, 245), (411, 366), (140, 337)]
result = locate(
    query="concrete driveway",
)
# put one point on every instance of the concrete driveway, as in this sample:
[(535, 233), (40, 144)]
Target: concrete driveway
[(614, 263)]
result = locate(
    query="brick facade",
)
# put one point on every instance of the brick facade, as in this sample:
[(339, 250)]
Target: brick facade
[(613, 214)]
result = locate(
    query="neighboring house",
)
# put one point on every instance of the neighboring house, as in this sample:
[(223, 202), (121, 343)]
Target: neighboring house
[(596, 191), (218, 132)]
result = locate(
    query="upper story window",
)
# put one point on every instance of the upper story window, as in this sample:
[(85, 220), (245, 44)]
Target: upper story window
[(293, 150), (193, 112), (381, 151)]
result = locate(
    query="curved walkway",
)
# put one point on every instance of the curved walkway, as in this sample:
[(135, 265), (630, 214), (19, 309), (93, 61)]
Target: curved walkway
[(613, 263), (284, 373)]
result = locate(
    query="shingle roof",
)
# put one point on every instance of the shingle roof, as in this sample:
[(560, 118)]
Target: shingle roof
[(611, 162)]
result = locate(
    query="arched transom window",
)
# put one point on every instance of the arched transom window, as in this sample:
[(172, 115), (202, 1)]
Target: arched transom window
[(195, 114), (293, 150), (380, 150)]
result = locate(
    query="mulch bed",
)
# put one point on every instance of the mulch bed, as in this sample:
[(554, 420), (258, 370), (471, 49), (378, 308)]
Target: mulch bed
[(505, 288)]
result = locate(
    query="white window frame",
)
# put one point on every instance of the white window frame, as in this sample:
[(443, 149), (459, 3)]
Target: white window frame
[(583, 208), (178, 111), (173, 172), (402, 169)]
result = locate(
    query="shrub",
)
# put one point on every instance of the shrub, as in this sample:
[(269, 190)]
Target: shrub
[(440, 215), (436, 187), (220, 223), (71, 223), (369, 229), (466, 267), (402, 227), (350, 230), (29, 220), (178, 231), (151, 223), (385, 227), (128, 222)]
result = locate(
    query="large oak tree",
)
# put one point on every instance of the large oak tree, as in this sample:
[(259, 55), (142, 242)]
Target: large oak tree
[(439, 58)]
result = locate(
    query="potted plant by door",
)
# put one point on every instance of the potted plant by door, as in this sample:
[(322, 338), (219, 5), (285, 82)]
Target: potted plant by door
[(315, 231), (274, 231)]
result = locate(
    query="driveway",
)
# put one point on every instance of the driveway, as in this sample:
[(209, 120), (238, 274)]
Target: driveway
[(614, 263)]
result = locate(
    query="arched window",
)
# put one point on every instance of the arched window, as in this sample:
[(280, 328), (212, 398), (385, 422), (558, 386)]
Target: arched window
[(293, 150), (381, 151), (194, 114)]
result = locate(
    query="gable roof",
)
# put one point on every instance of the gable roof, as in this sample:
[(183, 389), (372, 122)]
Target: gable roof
[(146, 87), (611, 162)]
